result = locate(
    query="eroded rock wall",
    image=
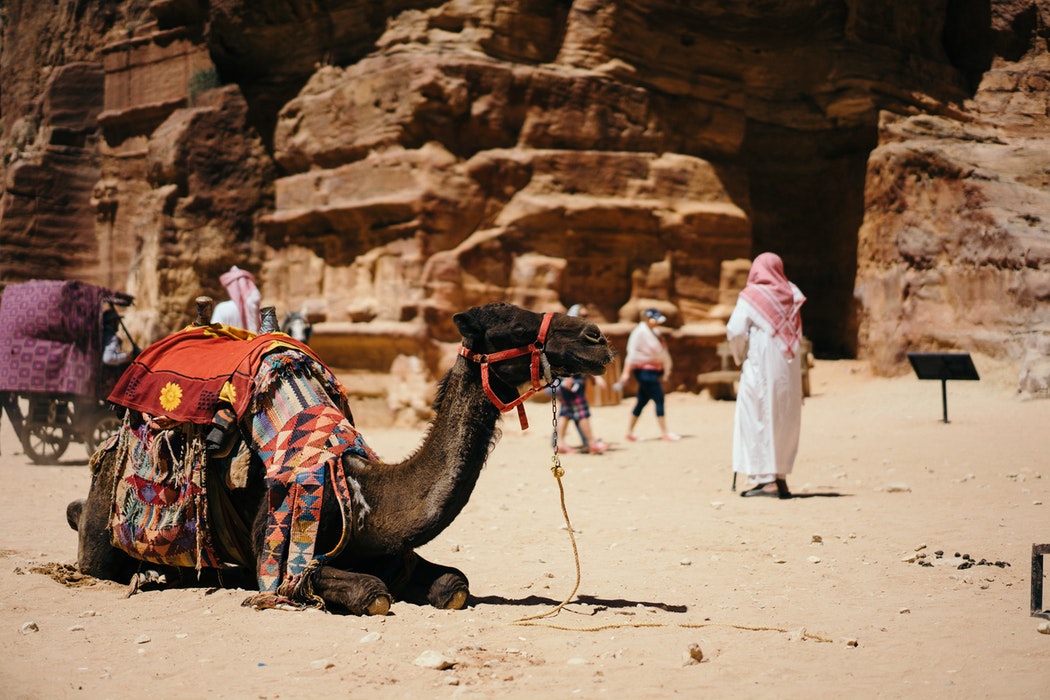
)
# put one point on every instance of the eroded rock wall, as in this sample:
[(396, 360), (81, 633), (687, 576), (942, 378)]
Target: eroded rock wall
[(954, 250), (382, 165)]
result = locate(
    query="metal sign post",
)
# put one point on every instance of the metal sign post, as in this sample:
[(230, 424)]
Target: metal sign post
[(943, 366), (1038, 552)]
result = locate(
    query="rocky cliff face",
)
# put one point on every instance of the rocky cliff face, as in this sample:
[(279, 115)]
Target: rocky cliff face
[(382, 165), (954, 247)]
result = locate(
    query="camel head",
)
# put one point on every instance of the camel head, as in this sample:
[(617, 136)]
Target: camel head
[(571, 346)]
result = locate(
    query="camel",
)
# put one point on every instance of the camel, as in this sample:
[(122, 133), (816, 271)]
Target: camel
[(504, 347)]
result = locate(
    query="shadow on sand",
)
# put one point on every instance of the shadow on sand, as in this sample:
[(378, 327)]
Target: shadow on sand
[(598, 603)]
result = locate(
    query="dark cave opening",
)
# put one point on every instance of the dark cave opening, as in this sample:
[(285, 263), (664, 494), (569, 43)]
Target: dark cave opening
[(967, 39), (807, 205)]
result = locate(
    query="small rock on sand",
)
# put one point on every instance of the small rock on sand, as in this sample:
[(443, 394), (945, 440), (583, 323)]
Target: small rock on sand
[(693, 655), (434, 660)]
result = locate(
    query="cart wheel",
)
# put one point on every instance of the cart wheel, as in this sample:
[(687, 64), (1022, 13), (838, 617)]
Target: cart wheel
[(47, 429), (45, 444), (105, 426)]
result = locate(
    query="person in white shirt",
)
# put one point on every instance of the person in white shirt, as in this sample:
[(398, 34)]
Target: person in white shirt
[(764, 333), (648, 361), (112, 348), (242, 308)]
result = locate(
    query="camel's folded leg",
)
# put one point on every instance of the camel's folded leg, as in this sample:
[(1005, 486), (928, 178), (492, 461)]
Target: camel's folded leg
[(360, 594), (441, 586)]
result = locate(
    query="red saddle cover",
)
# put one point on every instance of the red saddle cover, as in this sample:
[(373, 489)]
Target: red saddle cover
[(183, 375)]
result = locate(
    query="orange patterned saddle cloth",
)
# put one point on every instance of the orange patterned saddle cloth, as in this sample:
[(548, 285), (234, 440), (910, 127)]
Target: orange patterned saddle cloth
[(186, 375)]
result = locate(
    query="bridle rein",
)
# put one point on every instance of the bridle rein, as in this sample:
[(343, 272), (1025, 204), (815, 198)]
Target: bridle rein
[(540, 370)]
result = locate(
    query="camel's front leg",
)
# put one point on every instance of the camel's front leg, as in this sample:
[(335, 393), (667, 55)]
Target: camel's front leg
[(441, 586), (360, 594)]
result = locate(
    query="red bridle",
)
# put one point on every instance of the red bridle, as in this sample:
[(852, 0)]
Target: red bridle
[(540, 379)]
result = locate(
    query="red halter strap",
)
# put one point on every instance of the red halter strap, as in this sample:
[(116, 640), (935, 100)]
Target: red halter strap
[(538, 380)]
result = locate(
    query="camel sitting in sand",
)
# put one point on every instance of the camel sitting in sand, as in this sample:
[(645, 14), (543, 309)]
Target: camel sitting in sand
[(372, 515)]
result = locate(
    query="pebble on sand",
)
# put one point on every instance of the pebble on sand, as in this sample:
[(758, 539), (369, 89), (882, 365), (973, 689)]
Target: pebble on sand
[(693, 655), (434, 660)]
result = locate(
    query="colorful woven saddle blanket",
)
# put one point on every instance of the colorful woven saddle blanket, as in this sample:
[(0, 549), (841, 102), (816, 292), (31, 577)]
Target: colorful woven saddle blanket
[(297, 423), (161, 513), (300, 433)]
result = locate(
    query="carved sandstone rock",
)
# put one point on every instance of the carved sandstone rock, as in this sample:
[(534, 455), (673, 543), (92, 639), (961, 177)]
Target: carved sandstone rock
[(386, 166)]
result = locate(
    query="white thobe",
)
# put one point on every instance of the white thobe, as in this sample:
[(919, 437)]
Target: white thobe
[(769, 400), (227, 313)]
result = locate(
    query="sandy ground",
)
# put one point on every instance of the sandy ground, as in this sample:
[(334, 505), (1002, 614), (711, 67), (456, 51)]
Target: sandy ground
[(788, 599)]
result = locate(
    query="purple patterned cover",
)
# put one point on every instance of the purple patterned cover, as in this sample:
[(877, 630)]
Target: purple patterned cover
[(50, 336)]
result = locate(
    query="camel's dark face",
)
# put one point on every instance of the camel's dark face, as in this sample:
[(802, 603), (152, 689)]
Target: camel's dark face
[(572, 346)]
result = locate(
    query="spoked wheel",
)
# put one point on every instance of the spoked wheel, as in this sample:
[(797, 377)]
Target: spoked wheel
[(45, 444), (47, 430), (106, 424)]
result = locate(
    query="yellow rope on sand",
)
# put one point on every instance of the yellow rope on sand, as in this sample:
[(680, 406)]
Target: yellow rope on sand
[(558, 472), (534, 620)]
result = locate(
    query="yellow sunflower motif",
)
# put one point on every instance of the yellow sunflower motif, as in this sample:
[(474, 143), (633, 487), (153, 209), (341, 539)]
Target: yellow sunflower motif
[(170, 396), (228, 393)]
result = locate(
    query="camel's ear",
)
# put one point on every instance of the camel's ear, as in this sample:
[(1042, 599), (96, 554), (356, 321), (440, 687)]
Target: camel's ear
[(469, 323)]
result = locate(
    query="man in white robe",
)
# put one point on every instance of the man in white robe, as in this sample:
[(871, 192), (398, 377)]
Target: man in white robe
[(764, 333), (242, 308)]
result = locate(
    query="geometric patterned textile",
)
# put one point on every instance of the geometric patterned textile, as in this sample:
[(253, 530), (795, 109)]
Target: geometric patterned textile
[(161, 500), (300, 431), (185, 375), (294, 415), (51, 336)]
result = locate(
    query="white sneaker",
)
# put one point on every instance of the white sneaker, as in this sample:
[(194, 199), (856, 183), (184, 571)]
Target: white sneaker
[(671, 437)]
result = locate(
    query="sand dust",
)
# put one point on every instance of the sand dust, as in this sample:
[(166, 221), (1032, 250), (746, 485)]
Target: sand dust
[(839, 591)]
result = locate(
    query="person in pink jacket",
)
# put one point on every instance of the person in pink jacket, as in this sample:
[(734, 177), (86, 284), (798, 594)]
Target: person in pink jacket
[(648, 361)]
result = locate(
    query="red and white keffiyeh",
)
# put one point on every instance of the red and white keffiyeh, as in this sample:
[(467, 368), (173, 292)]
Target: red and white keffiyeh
[(770, 292), (240, 285)]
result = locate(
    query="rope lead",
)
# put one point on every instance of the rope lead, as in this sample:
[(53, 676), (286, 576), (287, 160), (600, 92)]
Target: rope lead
[(559, 472)]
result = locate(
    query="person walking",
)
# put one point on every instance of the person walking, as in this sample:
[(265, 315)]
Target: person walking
[(764, 333), (573, 405), (648, 361)]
